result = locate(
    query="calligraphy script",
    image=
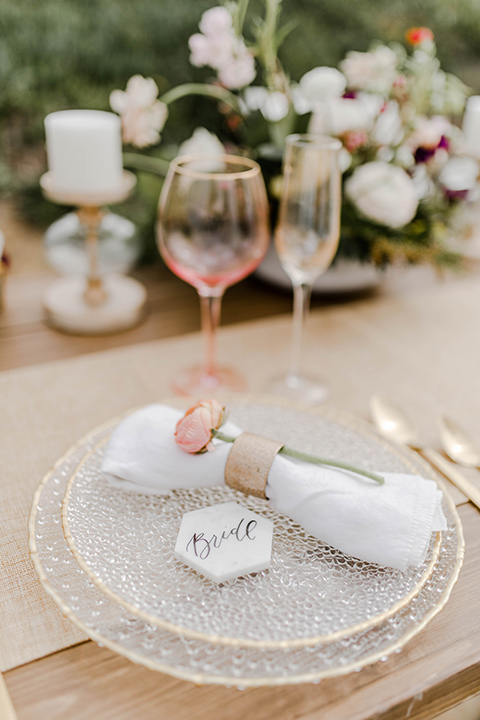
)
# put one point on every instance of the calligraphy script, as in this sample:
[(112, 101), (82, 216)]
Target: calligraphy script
[(202, 546)]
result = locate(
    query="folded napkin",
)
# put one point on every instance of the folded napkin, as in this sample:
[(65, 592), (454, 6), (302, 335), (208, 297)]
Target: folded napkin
[(387, 524)]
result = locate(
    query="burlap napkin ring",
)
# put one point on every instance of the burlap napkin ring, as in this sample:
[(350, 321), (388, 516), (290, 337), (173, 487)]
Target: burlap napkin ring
[(249, 462)]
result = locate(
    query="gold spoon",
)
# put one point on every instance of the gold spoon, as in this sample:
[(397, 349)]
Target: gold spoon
[(458, 446), (393, 424)]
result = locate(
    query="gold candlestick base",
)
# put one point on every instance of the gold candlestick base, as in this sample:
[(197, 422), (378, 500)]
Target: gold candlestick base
[(94, 305)]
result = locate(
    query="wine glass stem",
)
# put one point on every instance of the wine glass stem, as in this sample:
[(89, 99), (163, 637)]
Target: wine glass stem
[(302, 293), (210, 312)]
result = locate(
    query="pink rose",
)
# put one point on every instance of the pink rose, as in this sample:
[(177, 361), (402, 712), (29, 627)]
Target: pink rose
[(194, 432)]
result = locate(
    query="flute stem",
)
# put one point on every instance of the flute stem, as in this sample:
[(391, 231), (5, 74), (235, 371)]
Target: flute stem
[(301, 306)]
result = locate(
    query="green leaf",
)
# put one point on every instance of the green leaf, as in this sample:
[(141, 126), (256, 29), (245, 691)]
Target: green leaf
[(284, 31)]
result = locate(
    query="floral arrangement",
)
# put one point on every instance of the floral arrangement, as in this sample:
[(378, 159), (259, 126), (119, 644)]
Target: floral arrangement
[(405, 171)]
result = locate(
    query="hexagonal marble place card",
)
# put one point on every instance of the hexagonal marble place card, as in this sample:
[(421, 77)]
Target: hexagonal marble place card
[(224, 541)]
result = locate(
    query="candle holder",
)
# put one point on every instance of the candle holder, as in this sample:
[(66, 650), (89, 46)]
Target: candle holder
[(96, 304)]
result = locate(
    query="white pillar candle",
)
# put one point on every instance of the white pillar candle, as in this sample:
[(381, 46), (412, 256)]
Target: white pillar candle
[(84, 150), (471, 126)]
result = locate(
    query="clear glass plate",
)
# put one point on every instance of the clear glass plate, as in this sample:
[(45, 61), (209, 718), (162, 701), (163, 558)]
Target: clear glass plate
[(310, 593), (213, 660)]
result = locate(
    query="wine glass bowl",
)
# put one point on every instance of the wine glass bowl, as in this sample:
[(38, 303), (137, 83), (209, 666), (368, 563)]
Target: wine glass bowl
[(306, 239), (212, 232)]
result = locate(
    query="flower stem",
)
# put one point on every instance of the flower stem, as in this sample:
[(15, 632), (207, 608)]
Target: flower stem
[(239, 17), (213, 91), (332, 463), (313, 459), (137, 161)]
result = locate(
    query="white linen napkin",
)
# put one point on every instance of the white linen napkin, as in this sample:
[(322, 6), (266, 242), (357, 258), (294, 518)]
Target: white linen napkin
[(387, 524)]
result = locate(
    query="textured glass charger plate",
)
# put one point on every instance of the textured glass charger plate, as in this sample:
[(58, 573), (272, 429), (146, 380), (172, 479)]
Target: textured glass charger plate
[(107, 558)]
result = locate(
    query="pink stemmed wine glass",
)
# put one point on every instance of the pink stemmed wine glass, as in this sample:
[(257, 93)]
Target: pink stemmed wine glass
[(212, 232)]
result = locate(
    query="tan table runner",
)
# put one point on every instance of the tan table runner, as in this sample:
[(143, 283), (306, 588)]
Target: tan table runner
[(422, 350)]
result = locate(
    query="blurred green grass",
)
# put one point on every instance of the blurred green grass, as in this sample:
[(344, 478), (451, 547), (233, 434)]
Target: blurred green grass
[(57, 54)]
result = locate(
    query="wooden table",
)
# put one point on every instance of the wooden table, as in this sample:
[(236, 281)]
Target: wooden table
[(436, 670), (172, 308)]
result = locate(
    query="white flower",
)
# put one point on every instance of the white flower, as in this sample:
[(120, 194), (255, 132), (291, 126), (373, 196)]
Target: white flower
[(143, 116), (340, 115), (373, 71), (199, 50), (322, 83), (254, 97), (214, 50), (428, 132), (239, 70), (140, 93), (216, 20), (344, 159), (374, 103), (219, 47), (404, 157), (273, 105), (449, 94), (383, 193), (300, 105), (459, 173), (202, 142), (422, 182), (385, 154), (224, 49), (388, 129), (143, 127)]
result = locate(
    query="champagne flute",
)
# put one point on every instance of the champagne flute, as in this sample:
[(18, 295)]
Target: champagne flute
[(213, 231), (306, 240)]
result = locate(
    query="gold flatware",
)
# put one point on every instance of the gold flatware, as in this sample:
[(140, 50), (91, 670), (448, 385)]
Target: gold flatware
[(457, 445), (394, 424), (7, 711)]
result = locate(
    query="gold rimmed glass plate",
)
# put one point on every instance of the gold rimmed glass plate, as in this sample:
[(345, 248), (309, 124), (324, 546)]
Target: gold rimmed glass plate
[(311, 593), (213, 661)]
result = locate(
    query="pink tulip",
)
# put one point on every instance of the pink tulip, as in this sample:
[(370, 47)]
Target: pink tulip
[(194, 432)]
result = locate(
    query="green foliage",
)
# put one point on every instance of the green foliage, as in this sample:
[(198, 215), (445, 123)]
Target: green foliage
[(57, 54), (421, 241)]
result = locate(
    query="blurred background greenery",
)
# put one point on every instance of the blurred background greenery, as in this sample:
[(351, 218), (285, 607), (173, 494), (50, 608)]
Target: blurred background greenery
[(57, 54)]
